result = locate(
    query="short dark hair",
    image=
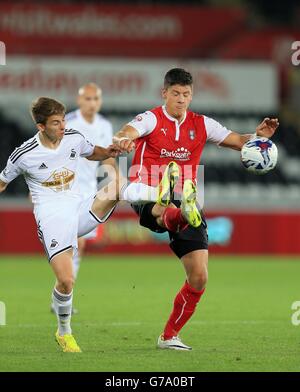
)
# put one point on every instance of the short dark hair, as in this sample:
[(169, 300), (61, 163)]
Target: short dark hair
[(178, 76), (44, 107)]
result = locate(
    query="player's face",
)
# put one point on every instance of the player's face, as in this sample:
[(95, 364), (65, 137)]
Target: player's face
[(90, 101), (177, 99), (54, 129)]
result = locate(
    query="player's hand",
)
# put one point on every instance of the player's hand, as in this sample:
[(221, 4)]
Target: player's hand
[(268, 127), (113, 151), (124, 143), (3, 186)]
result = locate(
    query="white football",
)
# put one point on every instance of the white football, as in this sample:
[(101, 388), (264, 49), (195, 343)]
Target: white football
[(259, 155)]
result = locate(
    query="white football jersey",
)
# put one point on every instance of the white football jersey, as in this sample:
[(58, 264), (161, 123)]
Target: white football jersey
[(100, 133), (51, 174)]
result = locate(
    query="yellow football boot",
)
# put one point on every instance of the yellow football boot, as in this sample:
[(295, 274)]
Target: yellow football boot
[(188, 206), (167, 184), (67, 343)]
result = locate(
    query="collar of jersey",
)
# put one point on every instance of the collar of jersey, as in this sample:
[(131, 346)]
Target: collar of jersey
[(37, 137), (177, 124), (79, 114), (172, 118)]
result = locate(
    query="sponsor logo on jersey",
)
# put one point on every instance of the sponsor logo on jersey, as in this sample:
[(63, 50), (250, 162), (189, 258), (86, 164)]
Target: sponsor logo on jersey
[(181, 154), (60, 180), (54, 244), (192, 134), (73, 154), (43, 166), (164, 131)]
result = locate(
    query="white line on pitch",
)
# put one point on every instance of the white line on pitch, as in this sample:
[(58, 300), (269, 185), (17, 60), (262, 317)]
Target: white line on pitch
[(139, 323)]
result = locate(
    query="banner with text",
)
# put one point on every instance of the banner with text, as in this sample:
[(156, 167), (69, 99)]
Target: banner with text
[(229, 233), (116, 30), (136, 85)]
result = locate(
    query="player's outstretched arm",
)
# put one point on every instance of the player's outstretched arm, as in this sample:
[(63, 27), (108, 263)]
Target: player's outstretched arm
[(3, 186), (101, 153), (236, 140), (125, 138)]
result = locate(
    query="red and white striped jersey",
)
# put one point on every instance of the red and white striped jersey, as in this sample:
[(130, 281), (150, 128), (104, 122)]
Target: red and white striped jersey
[(163, 139)]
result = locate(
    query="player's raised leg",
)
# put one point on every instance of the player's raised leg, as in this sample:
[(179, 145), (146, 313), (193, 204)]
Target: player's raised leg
[(167, 214), (62, 297), (97, 209), (195, 264), (177, 219), (139, 193), (106, 200)]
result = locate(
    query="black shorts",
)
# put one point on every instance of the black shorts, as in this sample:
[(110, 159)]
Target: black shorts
[(181, 243)]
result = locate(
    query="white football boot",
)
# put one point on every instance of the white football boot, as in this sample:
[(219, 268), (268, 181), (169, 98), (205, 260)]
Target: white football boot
[(174, 343)]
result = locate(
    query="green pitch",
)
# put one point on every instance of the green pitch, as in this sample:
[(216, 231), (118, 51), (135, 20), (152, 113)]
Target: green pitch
[(243, 322)]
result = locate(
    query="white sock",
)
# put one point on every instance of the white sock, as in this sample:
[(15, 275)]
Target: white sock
[(136, 192), (76, 264), (63, 308)]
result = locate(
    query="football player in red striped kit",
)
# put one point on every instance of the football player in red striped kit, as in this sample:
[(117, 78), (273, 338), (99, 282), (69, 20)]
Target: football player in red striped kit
[(174, 136)]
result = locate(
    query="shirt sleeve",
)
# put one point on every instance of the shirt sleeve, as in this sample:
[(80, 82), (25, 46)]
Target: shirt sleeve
[(216, 132), (86, 147), (144, 123), (10, 172)]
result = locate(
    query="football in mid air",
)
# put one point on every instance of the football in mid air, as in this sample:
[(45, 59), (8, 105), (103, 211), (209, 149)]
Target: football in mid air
[(259, 155)]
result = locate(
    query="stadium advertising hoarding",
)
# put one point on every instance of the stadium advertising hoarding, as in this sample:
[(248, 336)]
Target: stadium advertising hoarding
[(136, 85), (123, 30), (228, 231), (2, 53)]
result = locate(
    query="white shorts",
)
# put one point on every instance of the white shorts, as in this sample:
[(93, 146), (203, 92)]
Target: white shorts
[(91, 235), (61, 223), (85, 192)]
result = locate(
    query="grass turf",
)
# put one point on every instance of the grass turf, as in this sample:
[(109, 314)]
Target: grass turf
[(243, 322)]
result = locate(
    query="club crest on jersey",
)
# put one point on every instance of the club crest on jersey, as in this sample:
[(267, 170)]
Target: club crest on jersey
[(54, 244), (192, 134), (137, 118), (73, 154)]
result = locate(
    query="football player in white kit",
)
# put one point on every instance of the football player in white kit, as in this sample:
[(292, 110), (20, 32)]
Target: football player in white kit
[(98, 131), (48, 161)]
